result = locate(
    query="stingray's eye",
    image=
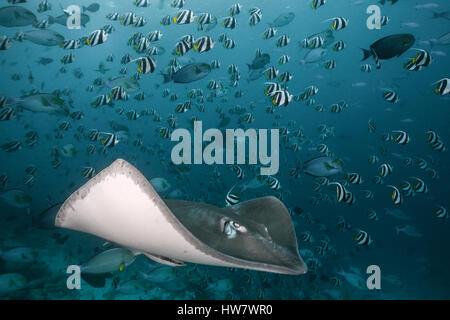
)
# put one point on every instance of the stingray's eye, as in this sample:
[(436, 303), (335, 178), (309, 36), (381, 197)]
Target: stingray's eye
[(239, 228), (230, 227)]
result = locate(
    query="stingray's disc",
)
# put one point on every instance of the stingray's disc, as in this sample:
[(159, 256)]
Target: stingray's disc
[(121, 206)]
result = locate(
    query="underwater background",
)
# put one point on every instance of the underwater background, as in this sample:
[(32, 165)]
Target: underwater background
[(348, 115)]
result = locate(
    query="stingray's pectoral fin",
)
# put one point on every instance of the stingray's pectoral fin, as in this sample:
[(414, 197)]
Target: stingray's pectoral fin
[(164, 260), (120, 205), (272, 215)]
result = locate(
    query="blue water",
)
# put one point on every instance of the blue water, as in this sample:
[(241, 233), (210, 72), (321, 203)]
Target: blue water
[(412, 267)]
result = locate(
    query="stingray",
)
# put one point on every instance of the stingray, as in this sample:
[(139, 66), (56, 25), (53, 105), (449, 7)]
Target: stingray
[(120, 205)]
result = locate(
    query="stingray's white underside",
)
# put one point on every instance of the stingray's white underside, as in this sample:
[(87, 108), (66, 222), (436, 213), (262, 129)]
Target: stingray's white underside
[(119, 205)]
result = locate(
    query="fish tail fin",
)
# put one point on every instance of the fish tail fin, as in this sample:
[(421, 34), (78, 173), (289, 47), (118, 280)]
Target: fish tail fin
[(249, 66), (167, 77), (12, 100), (299, 165), (50, 19), (435, 15), (367, 54)]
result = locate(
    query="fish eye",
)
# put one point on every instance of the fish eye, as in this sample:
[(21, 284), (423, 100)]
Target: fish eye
[(229, 228)]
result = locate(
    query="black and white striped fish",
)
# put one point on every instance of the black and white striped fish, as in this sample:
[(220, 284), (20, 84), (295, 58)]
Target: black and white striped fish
[(269, 33), (390, 96), (271, 73), (443, 87), (155, 35), (109, 139), (317, 3), (88, 172), (401, 138), (229, 22), (128, 18), (232, 198), (441, 213), (5, 43), (340, 45), (283, 41), (97, 37), (118, 93), (338, 23), (235, 9), (340, 191), (396, 195), (255, 18), (145, 64), (273, 183), (204, 44), (272, 88), (239, 172), (354, 178), (385, 170), (184, 17), (281, 98), (419, 186), (316, 42), (362, 238)]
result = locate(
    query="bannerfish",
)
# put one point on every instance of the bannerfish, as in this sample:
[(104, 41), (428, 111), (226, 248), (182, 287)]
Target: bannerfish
[(326, 35)]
